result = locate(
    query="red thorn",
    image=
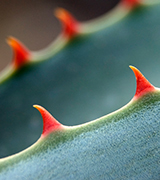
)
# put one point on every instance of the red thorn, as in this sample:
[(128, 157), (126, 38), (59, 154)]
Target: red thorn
[(21, 53), (69, 23), (131, 3), (143, 85), (50, 124)]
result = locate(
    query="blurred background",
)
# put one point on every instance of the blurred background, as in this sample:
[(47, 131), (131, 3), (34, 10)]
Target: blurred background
[(86, 80), (33, 22)]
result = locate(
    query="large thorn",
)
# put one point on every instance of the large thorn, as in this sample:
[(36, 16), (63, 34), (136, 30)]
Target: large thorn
[(143, 85), (131, 3), (21, 53), (50, 124), (69, 23)]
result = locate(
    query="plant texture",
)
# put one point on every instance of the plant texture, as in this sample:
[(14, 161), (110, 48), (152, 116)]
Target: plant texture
[(83, 70)]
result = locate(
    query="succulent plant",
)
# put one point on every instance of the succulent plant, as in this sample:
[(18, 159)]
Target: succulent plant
[(84, 72)]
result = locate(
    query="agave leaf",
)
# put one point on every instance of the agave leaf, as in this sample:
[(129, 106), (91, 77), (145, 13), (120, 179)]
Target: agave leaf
[(122, 145), (85, 80)]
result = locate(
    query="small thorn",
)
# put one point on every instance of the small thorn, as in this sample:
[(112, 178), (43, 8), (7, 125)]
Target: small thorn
[(50, 124), (69, 23), (143, 85), (21, 53), (131, 3)]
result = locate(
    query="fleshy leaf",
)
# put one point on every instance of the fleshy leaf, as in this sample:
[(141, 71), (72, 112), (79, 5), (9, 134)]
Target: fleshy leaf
[(126, 139), (84, 80)]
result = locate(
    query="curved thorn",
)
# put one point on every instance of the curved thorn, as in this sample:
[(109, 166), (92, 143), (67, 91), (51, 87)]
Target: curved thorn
[(131, 3), (21, 53), (69, 23), (50, 124), (143, 85)]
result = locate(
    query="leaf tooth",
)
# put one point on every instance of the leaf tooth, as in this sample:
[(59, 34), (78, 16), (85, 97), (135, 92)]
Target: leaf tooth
[(131, 3), (21, 53), (143, 85), (50, 124), (71, 26)]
